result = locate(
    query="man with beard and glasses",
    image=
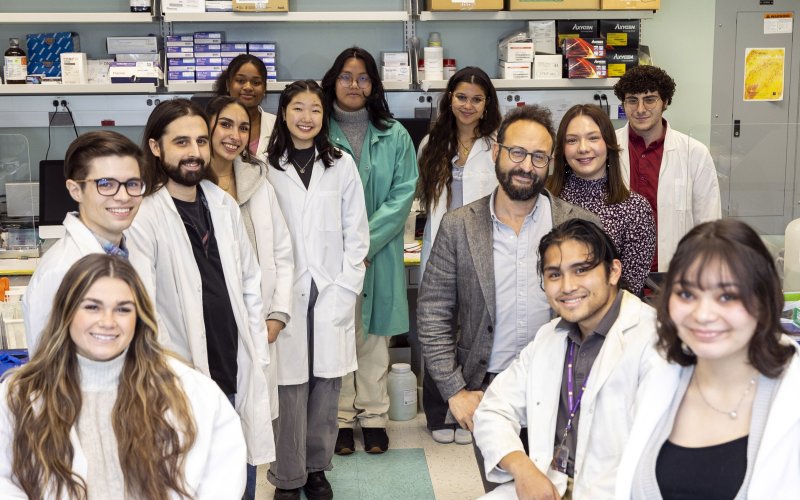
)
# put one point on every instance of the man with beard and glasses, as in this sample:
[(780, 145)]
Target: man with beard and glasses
[(480, 302), (202, 272)]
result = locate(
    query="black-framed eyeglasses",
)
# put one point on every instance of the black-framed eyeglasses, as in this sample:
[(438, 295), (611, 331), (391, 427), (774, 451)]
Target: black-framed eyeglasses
[(518, 154), (108, 186), (649, 101), (346, 80)]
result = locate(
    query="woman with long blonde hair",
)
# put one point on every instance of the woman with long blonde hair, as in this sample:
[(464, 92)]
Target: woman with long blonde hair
[(101, 411)]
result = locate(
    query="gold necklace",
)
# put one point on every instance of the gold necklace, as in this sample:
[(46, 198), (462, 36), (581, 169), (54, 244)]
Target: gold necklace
[(302, 169), (464, 149), (733, 414)]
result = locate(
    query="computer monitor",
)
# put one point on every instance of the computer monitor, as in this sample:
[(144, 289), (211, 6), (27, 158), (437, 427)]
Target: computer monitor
[(54, 199)]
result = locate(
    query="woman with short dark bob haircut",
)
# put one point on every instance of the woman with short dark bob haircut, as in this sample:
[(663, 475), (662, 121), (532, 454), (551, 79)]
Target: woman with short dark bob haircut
[(720, 418), (587, 173), (102, 411)]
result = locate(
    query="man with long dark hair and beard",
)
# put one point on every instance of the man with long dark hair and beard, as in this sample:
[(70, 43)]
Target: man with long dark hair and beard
[(480, 302), (203, 274)]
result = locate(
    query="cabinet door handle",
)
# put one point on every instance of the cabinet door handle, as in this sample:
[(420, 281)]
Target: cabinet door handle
[(736, 126)]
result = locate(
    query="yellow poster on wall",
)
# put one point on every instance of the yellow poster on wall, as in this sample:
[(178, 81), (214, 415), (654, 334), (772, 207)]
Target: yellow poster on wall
[(763, 74)]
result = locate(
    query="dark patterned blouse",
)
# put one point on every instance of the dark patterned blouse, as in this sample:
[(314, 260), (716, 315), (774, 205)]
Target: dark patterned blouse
[(630, 225)]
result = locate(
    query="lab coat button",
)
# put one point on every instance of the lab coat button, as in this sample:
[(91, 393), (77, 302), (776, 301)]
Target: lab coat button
[(365, 295), (490, 329), (482, 362)]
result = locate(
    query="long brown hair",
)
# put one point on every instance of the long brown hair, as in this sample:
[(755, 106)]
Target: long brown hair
[(617, 191), (435, 174), (152, 419)]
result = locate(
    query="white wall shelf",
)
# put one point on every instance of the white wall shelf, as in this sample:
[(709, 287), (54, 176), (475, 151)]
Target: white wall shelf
[(302, 17), (111, 88), (562, 84), (75, 18), (525, 15)]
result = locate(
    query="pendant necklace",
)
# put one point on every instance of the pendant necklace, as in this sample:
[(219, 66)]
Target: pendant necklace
[(302, 169), (733, 414), (464, 149)]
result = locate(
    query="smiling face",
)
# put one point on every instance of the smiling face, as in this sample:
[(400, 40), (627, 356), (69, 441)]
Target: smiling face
[(231, 132), (105, 321), (303, 117), (645, 122), (468, 104), (522, 181), (584, 148), (352, 97), (107, 216), (247, 85), (184, 150), (576, 291), (710, 316)]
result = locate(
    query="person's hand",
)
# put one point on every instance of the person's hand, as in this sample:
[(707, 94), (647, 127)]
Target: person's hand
[(367, 262), (274, 327), (529, 481), (463, 405)]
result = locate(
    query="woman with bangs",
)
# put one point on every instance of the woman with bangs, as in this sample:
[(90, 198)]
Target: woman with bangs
[(587, 173), (102, 411), (720, 420)]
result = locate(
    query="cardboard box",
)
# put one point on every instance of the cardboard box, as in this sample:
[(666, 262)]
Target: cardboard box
[(219, 5), (620, 61), (621, 33), (397, 74), (133, 72), (581, 28), (181, 76), (98, 70), (178, 38), (394, 59), (45, 49), (183, 5), (547, 67), (630, 4), (515, 70), (588, 48), (516, 51), (552, 4), (204, 76), (180, 52), (238, 47), (543, 34), (153, 58), (260, 46), (261, 5), (580, 68), (74, 68), (450, 5), (132, 44)]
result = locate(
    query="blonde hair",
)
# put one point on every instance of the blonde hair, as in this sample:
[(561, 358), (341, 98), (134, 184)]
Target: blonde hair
[(152, 419)]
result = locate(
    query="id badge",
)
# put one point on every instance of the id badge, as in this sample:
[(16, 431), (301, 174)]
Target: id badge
[(560, 458)]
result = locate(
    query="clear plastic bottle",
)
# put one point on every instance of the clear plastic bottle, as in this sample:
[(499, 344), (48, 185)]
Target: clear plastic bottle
[(141, 6), (402, 386), (15, 63)]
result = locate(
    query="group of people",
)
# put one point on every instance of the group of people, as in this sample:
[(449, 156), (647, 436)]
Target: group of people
[(225, 295)]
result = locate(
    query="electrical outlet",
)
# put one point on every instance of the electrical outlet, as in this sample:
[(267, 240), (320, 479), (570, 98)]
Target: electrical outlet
[(60, 119)]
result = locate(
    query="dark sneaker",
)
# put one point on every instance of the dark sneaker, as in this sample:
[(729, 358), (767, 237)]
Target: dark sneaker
[(375, 439), (281, 494), (345, 444), (317, 487)]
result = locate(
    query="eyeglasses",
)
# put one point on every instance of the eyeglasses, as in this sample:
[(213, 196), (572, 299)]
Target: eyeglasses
[(518, 154), (649, 101), (107, 186), (346, 80), (463, 99)]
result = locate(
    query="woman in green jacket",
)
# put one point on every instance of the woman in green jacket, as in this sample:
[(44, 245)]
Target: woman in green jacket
[(362, 125)]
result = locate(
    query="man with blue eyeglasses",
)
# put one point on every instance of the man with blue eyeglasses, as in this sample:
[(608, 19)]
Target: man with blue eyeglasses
[(104, 175), (480, 302)]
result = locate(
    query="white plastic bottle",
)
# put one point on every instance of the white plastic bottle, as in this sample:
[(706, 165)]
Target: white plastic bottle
[(791, 257), (402, 386), (434, 58)]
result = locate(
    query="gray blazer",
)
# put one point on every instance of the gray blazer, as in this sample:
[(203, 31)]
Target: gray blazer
[(456, 305)]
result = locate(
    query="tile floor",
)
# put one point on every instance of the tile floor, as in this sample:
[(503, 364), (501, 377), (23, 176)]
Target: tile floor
[(452, 470)]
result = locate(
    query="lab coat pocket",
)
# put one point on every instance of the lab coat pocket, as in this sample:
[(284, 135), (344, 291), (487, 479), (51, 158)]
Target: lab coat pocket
[(330, 216), (345, 308)]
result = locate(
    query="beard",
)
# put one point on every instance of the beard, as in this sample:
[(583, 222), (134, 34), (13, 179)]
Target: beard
[(518, 193), (185, 178)]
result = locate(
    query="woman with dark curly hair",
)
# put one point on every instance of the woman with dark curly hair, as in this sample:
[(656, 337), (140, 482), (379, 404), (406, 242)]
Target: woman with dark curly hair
[(721, 419), (102, 411)]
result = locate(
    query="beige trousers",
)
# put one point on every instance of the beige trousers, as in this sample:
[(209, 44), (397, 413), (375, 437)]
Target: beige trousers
[(364, 396)]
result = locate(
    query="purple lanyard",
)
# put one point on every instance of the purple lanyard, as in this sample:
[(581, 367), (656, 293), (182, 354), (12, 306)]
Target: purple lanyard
[(572, 403)]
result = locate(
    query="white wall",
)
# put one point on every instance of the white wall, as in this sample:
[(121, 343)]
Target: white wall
[(681, 41)]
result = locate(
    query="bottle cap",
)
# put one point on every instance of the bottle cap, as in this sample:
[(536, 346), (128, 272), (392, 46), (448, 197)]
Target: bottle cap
[(434, 39), (401, 368), (13, 41)]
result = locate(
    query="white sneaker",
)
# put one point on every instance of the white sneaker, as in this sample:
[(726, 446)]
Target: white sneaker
[(443, 436), (462, 436)]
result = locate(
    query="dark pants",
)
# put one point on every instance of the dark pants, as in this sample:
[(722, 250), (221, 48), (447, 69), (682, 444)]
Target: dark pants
[(434, 405)]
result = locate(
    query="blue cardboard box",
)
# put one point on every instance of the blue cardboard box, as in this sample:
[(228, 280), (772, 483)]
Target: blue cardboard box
[(45, 49)]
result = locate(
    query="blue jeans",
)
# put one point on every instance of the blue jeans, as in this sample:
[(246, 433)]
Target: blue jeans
[(250, 489)]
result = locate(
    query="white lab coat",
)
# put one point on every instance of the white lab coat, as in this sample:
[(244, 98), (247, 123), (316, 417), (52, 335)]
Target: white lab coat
[(479, 180), (688, 189), (273, 246), (174, 283), (214, 466), (78, 241), (776, 471), (528, 391), (267, 124), (330, 236)]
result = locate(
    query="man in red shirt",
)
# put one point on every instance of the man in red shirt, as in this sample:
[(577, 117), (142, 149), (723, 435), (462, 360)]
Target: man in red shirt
[(673, 171)]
